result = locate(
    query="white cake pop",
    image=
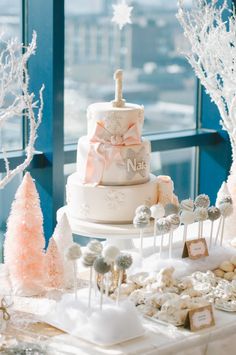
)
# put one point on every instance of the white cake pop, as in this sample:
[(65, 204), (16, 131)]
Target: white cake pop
[(95, 246), (110, 252), (187, 205), (157, 211)]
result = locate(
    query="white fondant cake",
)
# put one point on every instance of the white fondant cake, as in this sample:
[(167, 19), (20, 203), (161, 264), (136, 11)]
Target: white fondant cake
[(116, 120), (113, 164), (118, 165), (107, 204)]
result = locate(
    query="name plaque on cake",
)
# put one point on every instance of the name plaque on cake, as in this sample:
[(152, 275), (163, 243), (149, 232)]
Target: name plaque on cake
[(195, 249), (133, 165), (200, 318)]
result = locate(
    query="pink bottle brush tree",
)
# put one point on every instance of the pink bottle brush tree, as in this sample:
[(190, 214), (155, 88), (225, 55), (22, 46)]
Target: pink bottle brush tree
[(24, 244), (54, 265)]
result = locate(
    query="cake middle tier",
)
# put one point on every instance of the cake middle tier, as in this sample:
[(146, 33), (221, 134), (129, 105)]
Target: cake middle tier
[(108, 204), (107, 164)]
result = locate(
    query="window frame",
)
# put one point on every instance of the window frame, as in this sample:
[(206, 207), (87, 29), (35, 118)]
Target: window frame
[(47, 166)]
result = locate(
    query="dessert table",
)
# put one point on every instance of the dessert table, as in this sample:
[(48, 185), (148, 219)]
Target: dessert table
[(25, 325)]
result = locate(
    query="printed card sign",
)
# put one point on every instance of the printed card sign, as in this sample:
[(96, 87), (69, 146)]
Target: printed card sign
[(200, 318), (195, 249)]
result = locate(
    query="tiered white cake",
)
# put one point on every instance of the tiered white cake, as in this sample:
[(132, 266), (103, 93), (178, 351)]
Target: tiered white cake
[(113, 164)]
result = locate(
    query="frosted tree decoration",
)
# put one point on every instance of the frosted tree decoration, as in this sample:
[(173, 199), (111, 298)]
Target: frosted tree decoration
[(15, 98), (54, 265), (24, 244), (64, 239), (213, 57)]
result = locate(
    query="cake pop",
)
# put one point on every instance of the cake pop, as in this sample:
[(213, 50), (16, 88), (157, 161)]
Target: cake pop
[(213, 214), (101, 267), (175, 222), (88, 259), (171, 208), (200, 215), (187, 217), (157, 211), (140, 221), (123, 262), (202, 201), (143, 209), (187, 205), (226, 199), (72, 253), (163, 227), (95, 246)]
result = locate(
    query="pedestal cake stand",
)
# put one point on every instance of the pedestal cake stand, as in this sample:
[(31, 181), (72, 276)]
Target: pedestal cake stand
[(120, 235)]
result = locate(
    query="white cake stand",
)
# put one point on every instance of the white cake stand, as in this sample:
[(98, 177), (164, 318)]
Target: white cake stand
[(120, 235)]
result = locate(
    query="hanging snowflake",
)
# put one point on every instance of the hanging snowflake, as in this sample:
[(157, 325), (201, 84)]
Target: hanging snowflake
[(121, 14)]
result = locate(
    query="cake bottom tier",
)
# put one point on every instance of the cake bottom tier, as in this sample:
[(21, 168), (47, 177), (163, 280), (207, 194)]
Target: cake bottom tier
[(106, 204)]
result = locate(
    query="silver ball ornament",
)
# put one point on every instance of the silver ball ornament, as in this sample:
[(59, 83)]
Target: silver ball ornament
[(124, 261)]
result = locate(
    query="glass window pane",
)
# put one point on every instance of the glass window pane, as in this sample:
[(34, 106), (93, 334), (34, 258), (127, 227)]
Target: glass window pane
[(156, 74), (10, 27)]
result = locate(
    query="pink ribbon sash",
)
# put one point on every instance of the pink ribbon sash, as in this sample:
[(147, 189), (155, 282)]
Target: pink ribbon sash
[(105, 148)]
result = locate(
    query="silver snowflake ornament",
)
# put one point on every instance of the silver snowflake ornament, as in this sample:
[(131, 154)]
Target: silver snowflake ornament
[(121, 14)]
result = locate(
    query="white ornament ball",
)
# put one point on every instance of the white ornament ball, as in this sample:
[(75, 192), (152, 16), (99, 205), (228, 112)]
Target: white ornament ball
[(110, 253), (157, 211), (226, 209)]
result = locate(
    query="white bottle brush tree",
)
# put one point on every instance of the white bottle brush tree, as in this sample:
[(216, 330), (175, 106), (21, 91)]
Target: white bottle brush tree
[(210, 29), (15, 99)]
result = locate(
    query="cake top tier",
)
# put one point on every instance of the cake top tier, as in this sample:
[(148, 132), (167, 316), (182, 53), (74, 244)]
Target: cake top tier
[(116, 116), (117, 120)]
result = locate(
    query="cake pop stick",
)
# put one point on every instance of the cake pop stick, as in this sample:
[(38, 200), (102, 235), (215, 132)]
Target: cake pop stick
[(175, 222), (213, 215), (141, 221), (186, 218), (88, 259), (110, 253), (226, 210), (123, 262), (201, 201), (200, 215), (73, 253), (157, 211), (101, 267), (163, 227)]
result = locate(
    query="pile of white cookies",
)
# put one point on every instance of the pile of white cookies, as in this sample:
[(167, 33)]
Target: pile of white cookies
[(161, 296), (227, 269)]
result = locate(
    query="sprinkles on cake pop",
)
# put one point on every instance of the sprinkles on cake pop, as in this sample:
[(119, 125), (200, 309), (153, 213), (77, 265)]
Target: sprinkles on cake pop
[(187, 205), (213, 213), (200, 214), (202, 201), (174, 220), (88, 258), (95, 246), (141, 220), (144, 210), (124, 261), (163, 226)]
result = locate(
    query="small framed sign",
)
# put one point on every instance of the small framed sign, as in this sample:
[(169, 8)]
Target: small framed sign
[(200, 318), (195, 249)]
